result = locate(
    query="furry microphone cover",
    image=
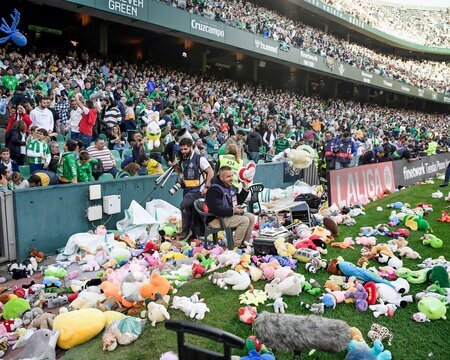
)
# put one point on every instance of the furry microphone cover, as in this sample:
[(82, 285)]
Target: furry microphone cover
[(302, 333)]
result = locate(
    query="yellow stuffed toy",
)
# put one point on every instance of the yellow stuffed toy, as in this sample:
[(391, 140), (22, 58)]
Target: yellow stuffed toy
[(284, 249), (77, 327)]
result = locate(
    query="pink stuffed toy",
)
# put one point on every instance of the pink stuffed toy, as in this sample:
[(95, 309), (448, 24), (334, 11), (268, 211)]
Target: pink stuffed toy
[(269, 273), (366, 241), (247, 314), (338, 295), (150, 259), (282, 272)]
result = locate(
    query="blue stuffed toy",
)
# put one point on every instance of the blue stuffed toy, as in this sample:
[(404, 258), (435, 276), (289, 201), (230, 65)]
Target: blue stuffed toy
[(254, 355), (12, 33)]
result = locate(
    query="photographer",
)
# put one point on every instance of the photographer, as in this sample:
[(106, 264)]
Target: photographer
[(223, 200), (196, 174)]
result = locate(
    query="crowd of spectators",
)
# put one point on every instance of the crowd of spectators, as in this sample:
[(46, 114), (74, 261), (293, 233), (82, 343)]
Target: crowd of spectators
[(247, 16), (74, 117), (430, 27)]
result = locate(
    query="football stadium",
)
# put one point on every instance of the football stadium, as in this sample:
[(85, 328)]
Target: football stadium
[(212, 179)]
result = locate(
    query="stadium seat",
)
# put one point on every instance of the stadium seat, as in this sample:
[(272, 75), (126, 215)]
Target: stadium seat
[(60, 138), (119, 163), (106, 177), (126, 153), (25, 171), (104, 137), (68, 135), (116, 154)]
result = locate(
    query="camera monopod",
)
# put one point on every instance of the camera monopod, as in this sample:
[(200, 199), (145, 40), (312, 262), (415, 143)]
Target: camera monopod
[(161, 180)]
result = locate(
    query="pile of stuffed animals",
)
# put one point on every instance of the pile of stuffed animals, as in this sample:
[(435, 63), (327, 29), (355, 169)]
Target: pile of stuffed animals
[(136, 283)]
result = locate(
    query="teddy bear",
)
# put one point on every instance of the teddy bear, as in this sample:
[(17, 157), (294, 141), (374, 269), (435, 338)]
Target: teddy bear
[(110, 304), (155, 312), (30, 315), (43, 321), (301, 157), (158, 285)]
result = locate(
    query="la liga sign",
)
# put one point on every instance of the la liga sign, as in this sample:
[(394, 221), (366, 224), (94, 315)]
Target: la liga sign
[(357, 184)]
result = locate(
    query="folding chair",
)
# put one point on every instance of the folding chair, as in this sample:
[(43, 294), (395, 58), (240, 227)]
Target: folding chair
[(199, 207), (255, 190), (191, 352)]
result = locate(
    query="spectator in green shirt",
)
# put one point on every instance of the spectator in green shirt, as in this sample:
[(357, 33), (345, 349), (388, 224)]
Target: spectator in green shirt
[(84, 167), (68, 165), (87, 91), (281, 143), (10, 81)]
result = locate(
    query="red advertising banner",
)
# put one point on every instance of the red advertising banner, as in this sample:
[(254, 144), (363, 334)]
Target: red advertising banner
[(355, 185)]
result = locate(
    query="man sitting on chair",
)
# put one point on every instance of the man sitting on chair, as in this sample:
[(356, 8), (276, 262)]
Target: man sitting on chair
[(222, 199)]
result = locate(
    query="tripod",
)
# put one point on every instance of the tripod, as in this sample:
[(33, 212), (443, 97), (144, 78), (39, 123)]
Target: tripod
[(161, 181)]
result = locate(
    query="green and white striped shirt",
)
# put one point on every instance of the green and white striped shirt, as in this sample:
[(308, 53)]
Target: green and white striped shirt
[(35, 150)]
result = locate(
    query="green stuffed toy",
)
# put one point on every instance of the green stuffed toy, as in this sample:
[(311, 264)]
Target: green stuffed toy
[(14, 308), (439, 275), (57, 272)]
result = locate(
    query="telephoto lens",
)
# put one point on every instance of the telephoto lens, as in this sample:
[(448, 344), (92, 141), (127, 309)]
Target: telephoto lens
[(175, 188)]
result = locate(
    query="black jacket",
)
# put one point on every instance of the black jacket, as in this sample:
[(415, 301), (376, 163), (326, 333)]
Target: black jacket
[(214, 200), (169, 152), (254, 142), (13, 141)]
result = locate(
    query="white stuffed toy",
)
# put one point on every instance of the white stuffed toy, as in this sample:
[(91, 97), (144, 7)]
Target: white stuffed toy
[(392, 261), (239, 280), (153, 128), (192, 307), (279, 306), (290, 286), (395, 296), (155, 313), (409, 253), (302, 157), (383, 309)]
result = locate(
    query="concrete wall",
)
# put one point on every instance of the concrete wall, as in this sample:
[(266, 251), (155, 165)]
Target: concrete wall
[(46, 217)]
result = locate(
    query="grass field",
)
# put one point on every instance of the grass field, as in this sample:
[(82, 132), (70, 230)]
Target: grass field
[(412, 341)]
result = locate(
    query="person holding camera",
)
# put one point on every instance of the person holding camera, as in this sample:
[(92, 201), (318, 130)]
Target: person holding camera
[(196, 174), (223, 200)]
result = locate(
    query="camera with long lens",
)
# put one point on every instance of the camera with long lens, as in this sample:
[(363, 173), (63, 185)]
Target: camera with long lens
[(178, 185)]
